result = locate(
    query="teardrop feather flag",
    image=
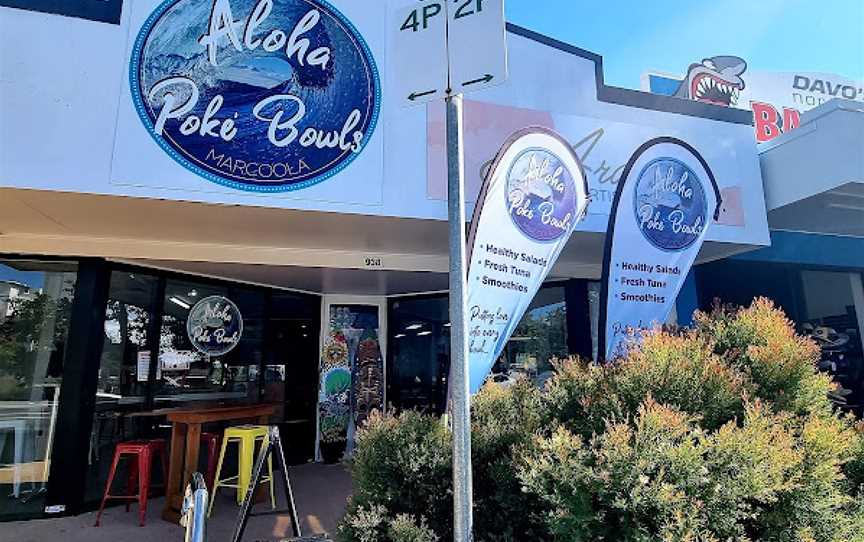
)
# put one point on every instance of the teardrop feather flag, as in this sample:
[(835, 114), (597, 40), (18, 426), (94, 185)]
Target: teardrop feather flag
[(665, 202), (531, 200)]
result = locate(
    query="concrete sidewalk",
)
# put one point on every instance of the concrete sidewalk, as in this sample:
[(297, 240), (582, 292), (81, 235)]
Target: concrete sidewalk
[(321, 493)]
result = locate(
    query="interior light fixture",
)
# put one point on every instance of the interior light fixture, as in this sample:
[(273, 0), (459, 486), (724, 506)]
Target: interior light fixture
[(193, 293), (399, 335), (448, 324), (412, 327), (177, 301), (424, 333)]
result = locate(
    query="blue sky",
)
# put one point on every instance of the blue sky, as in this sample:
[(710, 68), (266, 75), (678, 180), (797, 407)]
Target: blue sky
[(667, 35), (33, 279)]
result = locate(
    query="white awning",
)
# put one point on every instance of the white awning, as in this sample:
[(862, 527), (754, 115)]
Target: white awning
[(814, 175)]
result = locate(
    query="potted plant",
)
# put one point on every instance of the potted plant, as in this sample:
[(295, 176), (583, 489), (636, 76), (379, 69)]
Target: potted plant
[(333, 436)]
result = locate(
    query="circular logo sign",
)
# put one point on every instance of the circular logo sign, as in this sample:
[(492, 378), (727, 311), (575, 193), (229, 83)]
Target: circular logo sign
[(670, 204), (214, 325), (541, 195), (258, 95)]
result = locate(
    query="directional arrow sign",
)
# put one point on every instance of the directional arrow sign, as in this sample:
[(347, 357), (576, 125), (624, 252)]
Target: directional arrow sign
[(418, 51), (485, 79), (414, 96), (477, 42), (441, 46)]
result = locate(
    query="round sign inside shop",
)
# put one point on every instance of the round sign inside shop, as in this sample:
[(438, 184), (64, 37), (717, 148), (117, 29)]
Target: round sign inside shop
[(214, 325), (257, 95)]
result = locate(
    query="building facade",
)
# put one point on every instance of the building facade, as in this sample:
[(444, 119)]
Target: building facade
[(117, 237)]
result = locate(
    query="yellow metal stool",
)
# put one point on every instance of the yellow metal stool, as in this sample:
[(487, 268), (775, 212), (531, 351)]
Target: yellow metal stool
[(246, 436)]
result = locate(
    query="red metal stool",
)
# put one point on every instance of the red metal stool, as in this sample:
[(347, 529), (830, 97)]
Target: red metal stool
[(139, 472), (212, 441)]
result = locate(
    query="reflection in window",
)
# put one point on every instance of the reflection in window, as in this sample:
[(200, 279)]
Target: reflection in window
[(35, 306), (124, 370), (125, 367), (540, 337)]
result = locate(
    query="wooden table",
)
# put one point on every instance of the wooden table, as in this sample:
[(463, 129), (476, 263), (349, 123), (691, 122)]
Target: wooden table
[(184, 456)]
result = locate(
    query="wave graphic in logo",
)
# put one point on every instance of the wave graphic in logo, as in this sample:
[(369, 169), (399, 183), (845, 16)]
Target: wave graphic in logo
[(541, 195), (670, 204), (258, 95)]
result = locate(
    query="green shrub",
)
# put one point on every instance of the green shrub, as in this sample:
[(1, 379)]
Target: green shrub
[(720, 433), (657, 478), (750, 467), (761, 343), (403, 464), (681, 371), (504, 422), (581, 396), (415, 449), (374, 525), (854, 469), (818, 501), (558, 471), (677, 370), (405, 529)]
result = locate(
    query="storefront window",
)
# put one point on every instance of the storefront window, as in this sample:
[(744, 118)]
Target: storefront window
[(829, 316), (35, 305), (125, 366), (124, 371), (540, 337), (216, 355), (420, 353), (420, 347)]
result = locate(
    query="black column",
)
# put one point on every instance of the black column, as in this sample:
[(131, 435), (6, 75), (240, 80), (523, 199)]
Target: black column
[(78, 388), (578, 318)]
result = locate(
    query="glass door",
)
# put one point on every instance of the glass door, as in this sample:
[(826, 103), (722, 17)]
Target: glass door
[(291, 370), (352, 370)]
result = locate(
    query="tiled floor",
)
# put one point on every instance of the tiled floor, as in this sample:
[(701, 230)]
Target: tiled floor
[(321, 492)]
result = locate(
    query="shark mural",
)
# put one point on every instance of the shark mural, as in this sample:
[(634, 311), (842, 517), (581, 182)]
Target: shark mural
[(717, 80)]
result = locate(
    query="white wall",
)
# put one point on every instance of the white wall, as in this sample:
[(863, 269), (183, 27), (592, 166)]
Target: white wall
[(67, 123)]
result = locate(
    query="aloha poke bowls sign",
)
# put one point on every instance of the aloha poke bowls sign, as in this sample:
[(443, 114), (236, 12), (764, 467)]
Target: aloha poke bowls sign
[(257, 95), (541, 195), (670, 204), (214, 325)]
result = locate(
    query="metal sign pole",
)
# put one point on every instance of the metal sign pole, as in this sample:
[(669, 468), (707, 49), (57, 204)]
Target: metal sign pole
[(460, 397)]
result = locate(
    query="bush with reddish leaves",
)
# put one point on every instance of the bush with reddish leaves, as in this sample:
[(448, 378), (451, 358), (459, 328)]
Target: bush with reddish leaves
[(723, 432)]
